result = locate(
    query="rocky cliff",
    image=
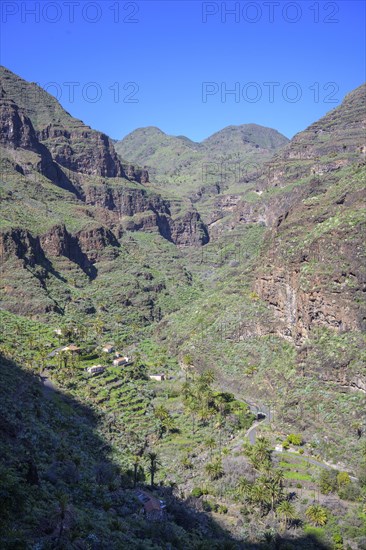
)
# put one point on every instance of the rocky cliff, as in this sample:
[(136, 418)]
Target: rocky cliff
[(38, 136), (312, 270), (83, 248)]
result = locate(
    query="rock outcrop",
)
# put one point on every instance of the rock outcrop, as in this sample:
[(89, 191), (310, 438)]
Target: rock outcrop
[(320, 282), (21, 244), (188, 230), (125, 201), (84, 162), (83, 150)]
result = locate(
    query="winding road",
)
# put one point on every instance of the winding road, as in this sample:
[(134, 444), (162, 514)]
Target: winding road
[(251, 434), (255, 409)]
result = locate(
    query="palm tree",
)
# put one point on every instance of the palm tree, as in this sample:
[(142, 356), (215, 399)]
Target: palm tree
[(166, 422), (259, 497), (206, 378), (210, 444), (186, 389), (272, 483), (64, 358), (215, 469), (187, 364), (223, 409), (244, 488), (153, 467), (317, 515), (136, 463), (62, 516), (286, 511)]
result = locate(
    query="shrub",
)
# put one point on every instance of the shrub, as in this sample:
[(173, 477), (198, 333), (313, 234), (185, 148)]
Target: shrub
[(222, 509), (352, 491), (343, 479), (196, 492), (206, 505), (295, 439), (328, 481)]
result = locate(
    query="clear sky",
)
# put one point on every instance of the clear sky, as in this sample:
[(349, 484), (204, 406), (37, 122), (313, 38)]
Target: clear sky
[(120, 65)]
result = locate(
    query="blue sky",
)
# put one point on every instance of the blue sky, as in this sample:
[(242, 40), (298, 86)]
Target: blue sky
[(120, 65)]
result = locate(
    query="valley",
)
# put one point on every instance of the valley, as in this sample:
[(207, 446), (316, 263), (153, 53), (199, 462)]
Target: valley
[(232, 274)]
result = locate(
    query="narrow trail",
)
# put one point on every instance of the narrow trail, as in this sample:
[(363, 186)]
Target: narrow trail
[(251, 434)]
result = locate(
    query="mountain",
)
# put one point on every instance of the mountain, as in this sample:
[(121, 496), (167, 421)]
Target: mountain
[(238, 295), (313, 196), (40, 136), (67, 200), (197, 172), (282, 315)]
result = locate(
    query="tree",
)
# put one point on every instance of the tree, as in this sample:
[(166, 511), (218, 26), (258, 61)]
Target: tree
[(166, 422), (64, 358), (272, 482), (136, 463), (295, 439), (187, 364), (62, 516), (244, 488), (153, 466), (210, 444), (259, 454), (259, 496), (286, 511), (215, 469), (343, 479), (317, 515), (328, 481)]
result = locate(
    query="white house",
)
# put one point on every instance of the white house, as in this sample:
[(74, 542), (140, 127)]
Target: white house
[(121, 361), (108, 348), (158, 377), (95, 369)]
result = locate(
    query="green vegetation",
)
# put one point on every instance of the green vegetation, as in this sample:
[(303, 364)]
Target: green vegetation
[(234, 347)]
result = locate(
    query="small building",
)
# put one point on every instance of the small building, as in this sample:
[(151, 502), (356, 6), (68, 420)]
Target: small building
[(153, 508), (120, 361), (158, 377), (95, 369), (108, 348), (71, 347)]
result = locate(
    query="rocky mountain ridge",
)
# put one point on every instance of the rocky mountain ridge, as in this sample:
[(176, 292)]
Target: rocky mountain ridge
[(81, 161)]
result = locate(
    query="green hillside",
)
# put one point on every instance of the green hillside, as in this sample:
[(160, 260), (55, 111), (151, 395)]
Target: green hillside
[(182, 167), (231, 274)]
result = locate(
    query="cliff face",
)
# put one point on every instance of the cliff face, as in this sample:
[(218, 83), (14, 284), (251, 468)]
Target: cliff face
[(189, 230), (125, 201), (82, 161), (82, 150), (83, 248), (21, 244), (186, 230), (312, 271), (16, 128), (333, 142)]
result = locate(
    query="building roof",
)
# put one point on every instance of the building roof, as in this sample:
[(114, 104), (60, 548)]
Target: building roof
[(150, 502), (71, 347)]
